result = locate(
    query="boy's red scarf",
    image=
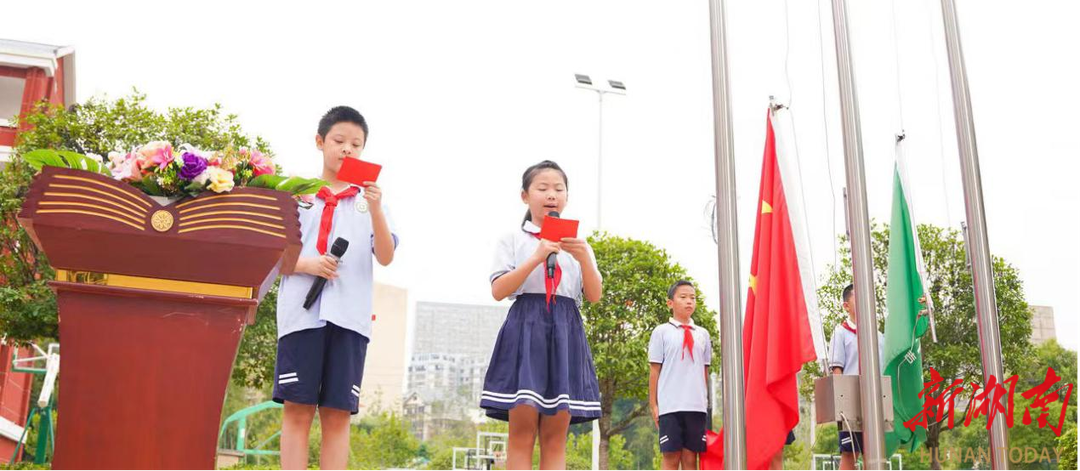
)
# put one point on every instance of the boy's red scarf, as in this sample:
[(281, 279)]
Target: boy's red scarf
[(327, 221), (688, 341)]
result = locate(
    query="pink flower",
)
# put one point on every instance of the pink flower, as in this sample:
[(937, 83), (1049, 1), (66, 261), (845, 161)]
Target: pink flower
[(126, 166), (261, 164), (157, 153), (153, 147)]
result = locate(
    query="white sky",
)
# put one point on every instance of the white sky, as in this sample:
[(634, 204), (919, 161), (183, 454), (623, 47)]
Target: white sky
[(462, 96)]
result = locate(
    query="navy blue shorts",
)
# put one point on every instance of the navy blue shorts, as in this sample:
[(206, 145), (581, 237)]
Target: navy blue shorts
[(682, 429), (322, 366), (850, 442)]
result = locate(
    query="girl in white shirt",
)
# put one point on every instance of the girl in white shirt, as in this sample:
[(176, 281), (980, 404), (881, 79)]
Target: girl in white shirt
[(541, 377)]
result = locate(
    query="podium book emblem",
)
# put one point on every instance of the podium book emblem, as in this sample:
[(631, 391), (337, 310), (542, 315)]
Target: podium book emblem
[(161, 220)]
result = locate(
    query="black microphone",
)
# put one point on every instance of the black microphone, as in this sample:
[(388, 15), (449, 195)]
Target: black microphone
[(336, 251), (552, 255)]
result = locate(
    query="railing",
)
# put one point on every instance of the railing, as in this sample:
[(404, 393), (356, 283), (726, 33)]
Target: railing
[(240, 418), (832, 462)]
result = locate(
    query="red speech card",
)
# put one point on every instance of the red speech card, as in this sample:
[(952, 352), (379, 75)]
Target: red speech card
[(555, 229), (357, 171)]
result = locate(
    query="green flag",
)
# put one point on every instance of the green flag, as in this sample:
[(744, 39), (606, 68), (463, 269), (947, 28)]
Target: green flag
[(903, 350)]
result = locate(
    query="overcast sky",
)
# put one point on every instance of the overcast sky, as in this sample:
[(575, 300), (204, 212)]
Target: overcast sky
[(462, 96)]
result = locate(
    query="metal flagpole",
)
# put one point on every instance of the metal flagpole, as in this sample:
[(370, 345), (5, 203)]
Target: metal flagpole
[(978, 246), (862, 266), (727, 249), (600, 164)]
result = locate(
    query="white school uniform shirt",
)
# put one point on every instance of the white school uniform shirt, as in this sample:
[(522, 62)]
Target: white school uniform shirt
[(345, 301), (514, 248), (844, 351), (681, 387)]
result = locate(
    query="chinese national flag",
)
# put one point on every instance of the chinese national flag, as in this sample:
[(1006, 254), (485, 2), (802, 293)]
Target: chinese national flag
[(777, 340)]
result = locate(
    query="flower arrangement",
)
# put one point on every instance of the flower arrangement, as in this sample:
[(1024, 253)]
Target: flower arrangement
[(158, 169)]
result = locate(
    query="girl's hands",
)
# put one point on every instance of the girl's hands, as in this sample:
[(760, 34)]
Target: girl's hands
[(545, 248), (578, 248)]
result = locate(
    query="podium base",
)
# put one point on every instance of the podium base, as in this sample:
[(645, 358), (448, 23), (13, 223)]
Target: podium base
[(143, 376)]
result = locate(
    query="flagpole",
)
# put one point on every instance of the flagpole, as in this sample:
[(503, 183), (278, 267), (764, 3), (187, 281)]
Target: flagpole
[(873, 430), (727, 248), (982, 273)]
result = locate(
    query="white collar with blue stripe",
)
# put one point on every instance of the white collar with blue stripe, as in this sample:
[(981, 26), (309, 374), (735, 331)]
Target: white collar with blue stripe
[(531, 228), (679, 325)]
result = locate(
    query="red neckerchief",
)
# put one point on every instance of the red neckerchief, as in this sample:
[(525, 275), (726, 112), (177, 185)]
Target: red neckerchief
[(550, 283), (848, 327), (327, 220), (687, 341)]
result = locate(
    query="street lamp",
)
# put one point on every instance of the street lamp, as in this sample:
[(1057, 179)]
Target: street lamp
[(614, 87), (618, 88)]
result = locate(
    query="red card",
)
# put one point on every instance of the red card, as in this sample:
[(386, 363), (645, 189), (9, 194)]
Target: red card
[(555, 229), (357, 171)]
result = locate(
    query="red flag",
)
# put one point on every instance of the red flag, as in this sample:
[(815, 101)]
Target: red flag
[(776, 330)]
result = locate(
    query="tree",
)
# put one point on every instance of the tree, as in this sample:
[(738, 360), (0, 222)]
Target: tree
[(98, 126), (1067, 445), (438, 452), (1047, 355), (956, 353), (640, 435), (636, 276), (254, 365), (579, 453), (382, 441)]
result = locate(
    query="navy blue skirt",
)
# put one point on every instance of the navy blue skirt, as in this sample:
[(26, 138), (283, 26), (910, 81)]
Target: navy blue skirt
[(542, 359)]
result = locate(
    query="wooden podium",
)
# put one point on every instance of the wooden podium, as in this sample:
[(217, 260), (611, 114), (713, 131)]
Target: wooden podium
[(152, 302)]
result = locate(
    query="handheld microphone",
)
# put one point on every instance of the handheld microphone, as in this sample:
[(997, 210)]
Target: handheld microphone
[(551, 256), (336, 251)]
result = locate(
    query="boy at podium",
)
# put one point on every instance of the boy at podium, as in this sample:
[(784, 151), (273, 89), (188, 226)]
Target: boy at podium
[(844, 360), (322, 343)]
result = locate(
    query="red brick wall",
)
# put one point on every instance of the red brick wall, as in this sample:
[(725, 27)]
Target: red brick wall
[(15, 387), (14, 395)]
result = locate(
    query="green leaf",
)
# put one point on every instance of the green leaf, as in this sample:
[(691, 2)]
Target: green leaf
[(313, 185), (267, 181), (79, 161), (194, 188), (149, 185), (301, 186), (291, 184), (44, 157)]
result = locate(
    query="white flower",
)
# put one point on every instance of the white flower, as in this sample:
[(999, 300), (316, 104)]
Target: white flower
[(95, 157), (202, 177), (220, 180)]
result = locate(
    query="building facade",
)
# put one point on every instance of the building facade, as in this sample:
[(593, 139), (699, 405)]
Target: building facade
[(452, 346), (384, 371), (1042, 324)]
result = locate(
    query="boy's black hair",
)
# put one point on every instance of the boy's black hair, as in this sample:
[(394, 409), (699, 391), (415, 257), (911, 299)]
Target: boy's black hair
[(530, 173), (671, 290), (848, 291), (342, 114)]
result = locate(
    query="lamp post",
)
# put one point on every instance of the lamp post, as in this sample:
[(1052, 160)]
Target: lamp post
[(618, 88), (615, 87)]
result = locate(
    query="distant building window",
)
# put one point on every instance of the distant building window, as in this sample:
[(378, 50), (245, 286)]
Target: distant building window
[(11, 94)]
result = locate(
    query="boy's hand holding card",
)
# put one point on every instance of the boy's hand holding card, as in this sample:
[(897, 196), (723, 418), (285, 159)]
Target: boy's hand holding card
[(358, 172)]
